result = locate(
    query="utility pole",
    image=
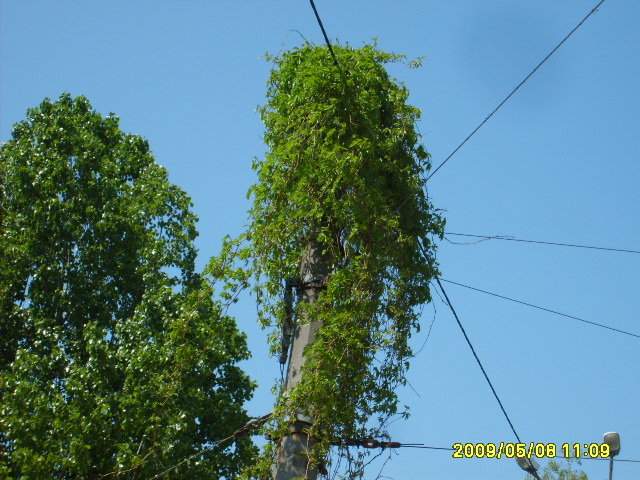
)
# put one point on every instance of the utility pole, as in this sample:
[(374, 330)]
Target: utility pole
[(292, 460)]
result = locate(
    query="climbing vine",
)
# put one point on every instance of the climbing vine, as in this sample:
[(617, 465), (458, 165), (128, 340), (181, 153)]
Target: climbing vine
[(344, 172)]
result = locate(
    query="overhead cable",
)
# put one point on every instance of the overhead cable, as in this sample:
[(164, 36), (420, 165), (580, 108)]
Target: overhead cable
[(473, 350), (324, 33), (384, 444), (542, 308), (609, 459), (513, 239), (426, 447), (373, 443), (593, 10), (251, 425)]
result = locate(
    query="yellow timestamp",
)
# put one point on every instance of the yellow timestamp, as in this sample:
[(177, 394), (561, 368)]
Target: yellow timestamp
[(529, 450), (586, 450), (504, 449)]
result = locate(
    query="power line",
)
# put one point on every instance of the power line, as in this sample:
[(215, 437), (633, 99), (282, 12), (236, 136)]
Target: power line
[(426, 447), (343, 76), (607, 459), (478, 360), (542, 308), (371, 443), (513, 239), (594, 9), (324, 33), (250, 425)]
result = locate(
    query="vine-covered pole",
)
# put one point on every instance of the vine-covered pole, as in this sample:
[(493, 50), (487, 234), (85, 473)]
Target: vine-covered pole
[(292, 460), (340, 214)]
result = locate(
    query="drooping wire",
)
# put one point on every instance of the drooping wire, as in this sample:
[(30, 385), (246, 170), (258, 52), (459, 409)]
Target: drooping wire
[(513, 239), (433, 321), (593, 10), (473, 350), (542, 308), (250, 426)]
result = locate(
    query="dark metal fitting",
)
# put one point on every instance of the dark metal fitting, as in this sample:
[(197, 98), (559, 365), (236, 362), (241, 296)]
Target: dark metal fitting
[(313, 284), (283, 357)]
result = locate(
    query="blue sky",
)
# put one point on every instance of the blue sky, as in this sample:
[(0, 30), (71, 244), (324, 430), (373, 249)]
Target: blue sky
[(558, 162)]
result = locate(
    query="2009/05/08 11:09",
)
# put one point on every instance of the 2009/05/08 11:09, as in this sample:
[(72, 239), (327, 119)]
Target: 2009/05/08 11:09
[(539, 450)]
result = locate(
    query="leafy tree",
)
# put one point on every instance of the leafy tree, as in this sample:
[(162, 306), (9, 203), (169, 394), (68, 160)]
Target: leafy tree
[(115, 359), (344, 174), (557, 471)]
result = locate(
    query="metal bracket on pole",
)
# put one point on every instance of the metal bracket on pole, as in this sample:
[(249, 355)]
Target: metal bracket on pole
[(288, 324)]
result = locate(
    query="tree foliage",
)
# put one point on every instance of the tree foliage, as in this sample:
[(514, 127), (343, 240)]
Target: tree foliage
[(344, 173), (115, 359), (558, 471)]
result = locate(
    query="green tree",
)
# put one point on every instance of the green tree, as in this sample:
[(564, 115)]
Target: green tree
[(115, 359), (558, 471), (345, 174)]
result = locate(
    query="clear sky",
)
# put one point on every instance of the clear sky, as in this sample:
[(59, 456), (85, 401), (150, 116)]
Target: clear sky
[(559, 162)]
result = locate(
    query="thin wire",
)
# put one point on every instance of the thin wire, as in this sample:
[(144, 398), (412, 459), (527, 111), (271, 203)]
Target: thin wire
[(428, 447), (605, 459), (542, 308), (250, 425), (390, 445), (513, 239), (343, 76), (215, 444), (594, 9), (478, 360), (433, 321), (326, 38), (581, 458)]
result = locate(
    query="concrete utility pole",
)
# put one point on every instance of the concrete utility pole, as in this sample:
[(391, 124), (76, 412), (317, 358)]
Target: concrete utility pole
[(291, 461)]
